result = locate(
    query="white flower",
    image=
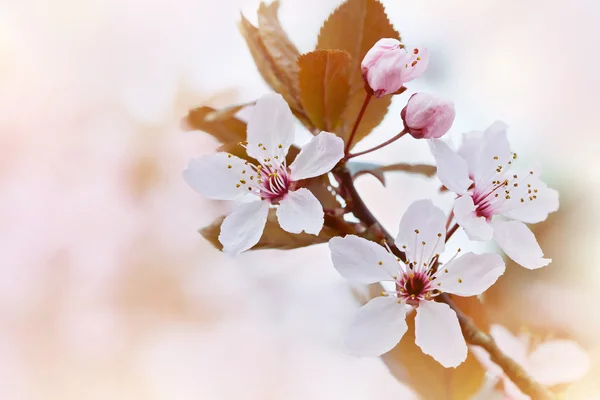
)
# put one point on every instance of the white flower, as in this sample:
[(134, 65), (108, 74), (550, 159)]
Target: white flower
[(380, 324), (482, 173), (270, 134), (550, 363)]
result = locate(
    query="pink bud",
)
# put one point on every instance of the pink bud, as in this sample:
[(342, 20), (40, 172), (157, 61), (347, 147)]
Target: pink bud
[(426, 116), (387, 66)]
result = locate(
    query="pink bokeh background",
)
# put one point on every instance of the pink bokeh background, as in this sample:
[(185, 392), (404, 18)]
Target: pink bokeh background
[(107, 291)]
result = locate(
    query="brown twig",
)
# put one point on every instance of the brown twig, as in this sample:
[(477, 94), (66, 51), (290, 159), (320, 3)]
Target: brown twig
[(379, 146), (361, 113), (472, 334)]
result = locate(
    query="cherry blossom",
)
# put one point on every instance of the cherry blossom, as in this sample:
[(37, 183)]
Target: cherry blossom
[(380, 324), (484, 174), (426, 116), (223, 176), (387, 66), (550, 363)]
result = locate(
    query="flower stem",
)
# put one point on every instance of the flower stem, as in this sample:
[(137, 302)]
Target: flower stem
[(451, 232), (361, 113), (472, 334), (392, 140)]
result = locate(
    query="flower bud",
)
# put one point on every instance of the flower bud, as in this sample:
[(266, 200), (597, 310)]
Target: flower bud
[(387, 66), (426, 116)]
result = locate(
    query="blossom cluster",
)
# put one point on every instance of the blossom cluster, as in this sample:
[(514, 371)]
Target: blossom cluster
[(495, 197)]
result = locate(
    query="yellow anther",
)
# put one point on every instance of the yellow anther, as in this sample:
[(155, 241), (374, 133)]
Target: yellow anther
[(412, 296), (251, 177), (260, 145), (243, 182), (439, 284), (439, 235), (237, 185), (249, 188), (522, 200), (230, 166), (383, 293), (514, 156), (495, 157), (380, 263), (395, 277), (229, 156), (280, 146), (243, 171), (423, 243), (534, 190), (264, 148), (446, 270), (403, 246), (515, 176), (458, 250), (416, 231), (412, 275), (276, 157), (459, 280)]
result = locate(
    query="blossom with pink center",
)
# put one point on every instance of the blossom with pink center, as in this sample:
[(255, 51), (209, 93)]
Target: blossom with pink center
[(270, 134), (380, 324), (483, 173), (387, 66), (550, 363), (427, 117)]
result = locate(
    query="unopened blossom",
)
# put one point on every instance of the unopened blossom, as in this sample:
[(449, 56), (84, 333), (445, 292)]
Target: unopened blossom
[(388, 65), (380, 324), (270, 180), (489, 183), (427, 117), (550, 363)]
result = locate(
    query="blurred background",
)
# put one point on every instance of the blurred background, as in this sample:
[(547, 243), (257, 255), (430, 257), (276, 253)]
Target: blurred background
[(107, 291)]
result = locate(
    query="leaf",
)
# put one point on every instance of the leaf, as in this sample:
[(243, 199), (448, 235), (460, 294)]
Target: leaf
[(324, 87), (273, 236), (275, 57), (225, 130), (225, 113), (358, 168), (423, 169), (283, 52), (355, 26)]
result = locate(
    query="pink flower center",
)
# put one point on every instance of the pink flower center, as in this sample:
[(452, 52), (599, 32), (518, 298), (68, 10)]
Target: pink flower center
[(270, 179), (415, 286), (502, 191)]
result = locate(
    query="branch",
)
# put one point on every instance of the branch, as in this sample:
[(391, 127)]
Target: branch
[(472, 334)]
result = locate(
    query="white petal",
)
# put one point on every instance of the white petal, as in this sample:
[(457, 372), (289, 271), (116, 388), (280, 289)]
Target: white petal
[(476, 228), (495, 151), (452, 169), (537, 210), (377, 328), (211, 176), (519, 243), (430, 223), (470, 149), (358, 259), (470, 274), (271, 124), (243, 228), (438, 333), (511, 345), (300, 211), (557, 361), (318, 157)]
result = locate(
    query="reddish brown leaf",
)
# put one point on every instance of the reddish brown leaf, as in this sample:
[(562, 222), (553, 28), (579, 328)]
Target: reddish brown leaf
[(324, 87), (273, 236), (225, 130), (354, 27), (227, 112), (275, 57), (281, 49)]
